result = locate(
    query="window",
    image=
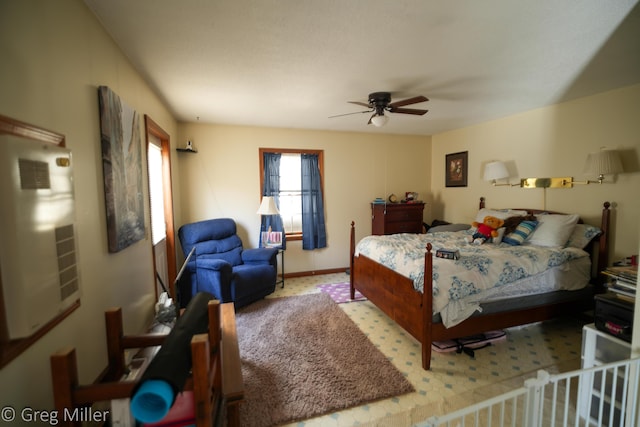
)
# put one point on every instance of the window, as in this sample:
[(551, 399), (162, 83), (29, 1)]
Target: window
[(154, 159), (293, 194)]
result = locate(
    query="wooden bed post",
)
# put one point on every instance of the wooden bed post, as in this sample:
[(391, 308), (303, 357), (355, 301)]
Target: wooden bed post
[(603, 245), (427, 308), (352, 251), (64, 374), (481, 205)]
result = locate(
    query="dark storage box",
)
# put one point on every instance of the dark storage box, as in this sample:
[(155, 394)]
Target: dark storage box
[(614, 315)]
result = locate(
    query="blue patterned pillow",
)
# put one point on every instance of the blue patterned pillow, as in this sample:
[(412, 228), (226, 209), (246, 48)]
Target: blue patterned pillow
[(581, 236), (521, 233)]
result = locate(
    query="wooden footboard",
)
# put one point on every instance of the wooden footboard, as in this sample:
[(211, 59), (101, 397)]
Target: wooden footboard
[(413, 311), (395, 295)]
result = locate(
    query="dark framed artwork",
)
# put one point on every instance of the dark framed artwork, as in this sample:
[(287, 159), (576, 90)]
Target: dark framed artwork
[(456, 169), (121, 142)]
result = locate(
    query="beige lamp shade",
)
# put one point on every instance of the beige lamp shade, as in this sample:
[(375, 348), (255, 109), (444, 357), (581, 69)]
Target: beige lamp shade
[(603, 162), (495, 170), (268, 207)]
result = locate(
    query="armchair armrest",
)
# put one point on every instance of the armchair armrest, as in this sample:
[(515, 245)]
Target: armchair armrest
[(214, 276), (214, 264), (260, 256)]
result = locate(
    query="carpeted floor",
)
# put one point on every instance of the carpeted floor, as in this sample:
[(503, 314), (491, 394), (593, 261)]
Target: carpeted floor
[(303, 357)]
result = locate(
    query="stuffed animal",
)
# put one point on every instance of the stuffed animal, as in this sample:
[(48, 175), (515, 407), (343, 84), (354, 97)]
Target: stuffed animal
[(485, 230)]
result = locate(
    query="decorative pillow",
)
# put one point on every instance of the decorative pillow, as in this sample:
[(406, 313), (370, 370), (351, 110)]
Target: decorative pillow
[(553, 230), (512, 222), (581, 236), (498, 213), (521, 233)]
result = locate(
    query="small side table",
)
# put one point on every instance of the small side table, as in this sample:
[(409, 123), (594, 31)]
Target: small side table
[(281, 281)]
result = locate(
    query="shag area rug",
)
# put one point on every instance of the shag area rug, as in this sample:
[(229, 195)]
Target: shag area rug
[(303, 357), (341, 292)]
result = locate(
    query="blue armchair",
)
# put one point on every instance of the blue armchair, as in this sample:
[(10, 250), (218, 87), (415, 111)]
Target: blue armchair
[(222, 267)]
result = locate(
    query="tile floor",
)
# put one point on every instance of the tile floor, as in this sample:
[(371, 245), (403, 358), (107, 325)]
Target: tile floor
[(455, 380)]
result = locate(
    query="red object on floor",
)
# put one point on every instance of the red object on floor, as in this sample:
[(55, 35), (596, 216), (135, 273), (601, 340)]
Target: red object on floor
[(181, 413)]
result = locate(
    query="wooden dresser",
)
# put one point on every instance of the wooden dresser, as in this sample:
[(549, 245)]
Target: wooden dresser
[(392, 218)]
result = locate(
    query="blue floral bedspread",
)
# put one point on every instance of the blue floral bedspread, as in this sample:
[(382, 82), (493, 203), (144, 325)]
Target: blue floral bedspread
[(480, 267)]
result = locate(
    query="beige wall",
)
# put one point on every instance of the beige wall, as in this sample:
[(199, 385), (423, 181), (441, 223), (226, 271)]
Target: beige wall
[(222, 180), (54, 56), (551, 142)]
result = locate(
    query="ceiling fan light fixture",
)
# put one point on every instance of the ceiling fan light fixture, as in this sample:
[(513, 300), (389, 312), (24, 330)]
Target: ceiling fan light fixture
[(379, 102), (379, 120)]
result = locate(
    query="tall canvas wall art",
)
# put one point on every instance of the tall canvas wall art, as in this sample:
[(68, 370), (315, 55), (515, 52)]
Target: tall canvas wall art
[(121, 142)]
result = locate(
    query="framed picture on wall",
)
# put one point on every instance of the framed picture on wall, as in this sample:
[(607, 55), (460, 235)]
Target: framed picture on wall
[(121, 142), (456, 169)]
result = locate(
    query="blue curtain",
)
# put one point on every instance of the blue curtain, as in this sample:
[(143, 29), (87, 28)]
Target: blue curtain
[(313, 229), (271, 187)]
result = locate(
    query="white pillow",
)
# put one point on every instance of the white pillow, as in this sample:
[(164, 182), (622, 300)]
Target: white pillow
[(553, 230), (581, 236), (498, 213)]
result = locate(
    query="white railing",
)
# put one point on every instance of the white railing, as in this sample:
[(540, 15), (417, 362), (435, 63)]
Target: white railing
[(605, 395)]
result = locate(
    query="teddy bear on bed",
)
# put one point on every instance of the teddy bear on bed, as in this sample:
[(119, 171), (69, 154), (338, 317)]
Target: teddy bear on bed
[(485, 230)]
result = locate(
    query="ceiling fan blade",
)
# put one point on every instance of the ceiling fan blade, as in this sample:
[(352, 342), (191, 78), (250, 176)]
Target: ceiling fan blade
[(414, 100), (348, 114), (360, 103), (414, 111)]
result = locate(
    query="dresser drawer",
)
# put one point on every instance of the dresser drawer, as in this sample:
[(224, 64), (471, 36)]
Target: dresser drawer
[(397, 215), (403, 227)]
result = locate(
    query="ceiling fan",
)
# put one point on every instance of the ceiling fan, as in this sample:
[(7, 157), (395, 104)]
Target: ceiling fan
[(379, 102)]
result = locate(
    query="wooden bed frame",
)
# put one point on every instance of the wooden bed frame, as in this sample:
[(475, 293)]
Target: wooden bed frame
[(395, 295)]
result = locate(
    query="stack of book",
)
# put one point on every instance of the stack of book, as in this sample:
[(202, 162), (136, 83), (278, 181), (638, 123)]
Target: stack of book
[(622, 281)]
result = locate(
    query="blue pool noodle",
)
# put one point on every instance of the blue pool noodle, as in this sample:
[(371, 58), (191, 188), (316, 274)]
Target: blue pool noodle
[(167, 373)]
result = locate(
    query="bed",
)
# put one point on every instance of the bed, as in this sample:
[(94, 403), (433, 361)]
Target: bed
[(401, 295)]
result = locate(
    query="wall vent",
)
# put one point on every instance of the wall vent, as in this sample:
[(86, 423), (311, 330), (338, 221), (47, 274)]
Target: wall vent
[(34, 175), (67, 269)]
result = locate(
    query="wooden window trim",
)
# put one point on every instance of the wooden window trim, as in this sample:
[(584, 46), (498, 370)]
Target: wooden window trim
[(262, 151)]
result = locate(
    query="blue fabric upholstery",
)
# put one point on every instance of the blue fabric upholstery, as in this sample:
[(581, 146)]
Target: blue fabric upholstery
[(222, 267)]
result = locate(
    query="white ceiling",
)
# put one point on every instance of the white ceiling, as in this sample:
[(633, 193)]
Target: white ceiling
[(294, 63)]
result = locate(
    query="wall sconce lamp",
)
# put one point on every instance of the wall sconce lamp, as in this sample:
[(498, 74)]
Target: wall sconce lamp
[(494, 171), (601, 163)]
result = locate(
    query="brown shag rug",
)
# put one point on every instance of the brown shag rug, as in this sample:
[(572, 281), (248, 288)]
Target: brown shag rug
[(303, 357)]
